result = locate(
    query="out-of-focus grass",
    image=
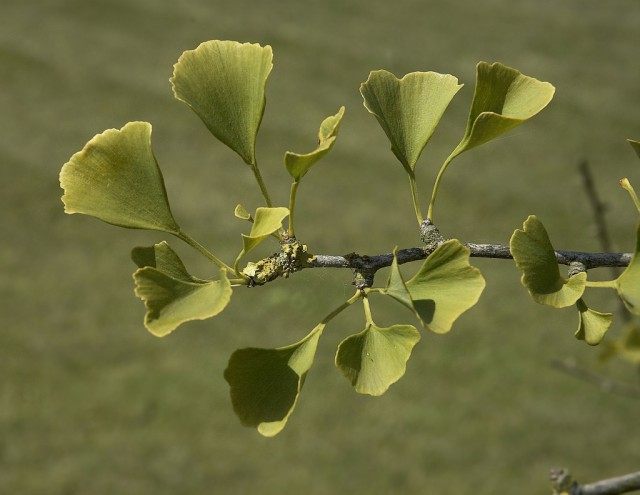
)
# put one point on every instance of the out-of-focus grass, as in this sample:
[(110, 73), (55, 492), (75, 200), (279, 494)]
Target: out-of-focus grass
[(91, 403)]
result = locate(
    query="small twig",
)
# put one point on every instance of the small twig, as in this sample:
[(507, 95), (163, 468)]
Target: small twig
[(606, 384), (562, 483), (599, 210)]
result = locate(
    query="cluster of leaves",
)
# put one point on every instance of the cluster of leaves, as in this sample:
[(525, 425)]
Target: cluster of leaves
[(116, 178)]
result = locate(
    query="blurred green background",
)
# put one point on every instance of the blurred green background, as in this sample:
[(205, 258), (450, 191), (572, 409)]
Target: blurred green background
[(92, 403)]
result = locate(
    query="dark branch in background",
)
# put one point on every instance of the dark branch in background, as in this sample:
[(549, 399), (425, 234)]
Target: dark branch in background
[(599, 209), (606, 384), (562, 482)]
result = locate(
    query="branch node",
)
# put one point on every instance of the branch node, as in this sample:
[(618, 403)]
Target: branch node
[(562, 482), (430, 234), (576, 267)]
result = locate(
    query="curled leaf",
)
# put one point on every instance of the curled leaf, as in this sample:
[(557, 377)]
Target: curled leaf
[(224, 84), (116, 178), (299, 164), (504, 98), (635, 145), (242, 213), (265, 383), (266, 222), (376, 358), (592, 324), (628, 283), (536, 259), (408, 109), (171, 295)]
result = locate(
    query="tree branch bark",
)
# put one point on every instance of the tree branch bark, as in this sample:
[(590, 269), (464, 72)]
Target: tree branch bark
[(562, 483), (373, 263)]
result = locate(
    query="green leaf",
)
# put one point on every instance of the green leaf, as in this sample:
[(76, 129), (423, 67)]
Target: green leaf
[(408, 109), (164, 259), (265, 383), (504, 98), (536, 259), (396, 286), (592, 324), (635, 145), (224, 84), (266, 222), (298, 165), (375, 358), (629, 346), (628, 283), (242, 213), (170, 294), (445, 286), (116, 178)]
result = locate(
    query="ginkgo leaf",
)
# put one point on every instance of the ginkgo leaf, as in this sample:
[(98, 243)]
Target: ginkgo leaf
[(628, 283), (265, 383), (635, 145), (266, 222), (504, 98), (299, 164), (224, 84), (396, 286), (241, 213), (171, 295), (445, 286), (629, 346), (376, 358), (116, 178), (592, 325), (536, 259), (408, 109), (161, 257)]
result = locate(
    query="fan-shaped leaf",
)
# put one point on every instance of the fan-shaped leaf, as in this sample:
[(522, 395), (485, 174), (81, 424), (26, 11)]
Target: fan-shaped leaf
[(375, 358), (635, 145), (266, 222), (298, 165), (224, 84), (628, 283), (408, 109), (592, 324), (504, 98), (265, 383), (445, 286), (170, 294), (116, 178), (536, 259)]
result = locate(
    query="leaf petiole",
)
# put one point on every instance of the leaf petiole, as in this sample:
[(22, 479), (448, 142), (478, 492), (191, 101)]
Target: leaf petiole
[(263, 187), (414, 198), (292, 207), (626, 185), (436, 184), (604, 284), (203, 250), (358, 295)]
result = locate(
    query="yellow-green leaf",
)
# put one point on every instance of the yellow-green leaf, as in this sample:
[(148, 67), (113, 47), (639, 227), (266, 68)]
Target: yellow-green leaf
[(171, 295), (504, 98), (242, 213), (299, 164), (116, 178), (536, 259), (445, 286), (592, 325), (376, 358), (224, 84), (408, 109), (628, 283), (266, 222), (265, 383), (635, 145)]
